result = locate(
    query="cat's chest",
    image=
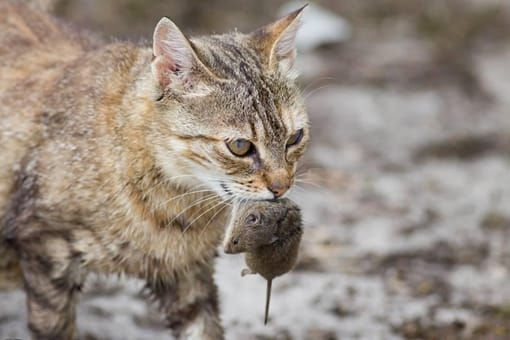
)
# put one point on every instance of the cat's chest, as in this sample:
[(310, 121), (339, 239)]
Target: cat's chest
[(184, 233)]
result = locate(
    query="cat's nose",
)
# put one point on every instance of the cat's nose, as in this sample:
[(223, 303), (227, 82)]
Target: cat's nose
[(278, 183), (277, 189)]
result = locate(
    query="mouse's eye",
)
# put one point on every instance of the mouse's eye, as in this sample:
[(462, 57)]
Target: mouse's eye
[(252, 219), (235, 241)]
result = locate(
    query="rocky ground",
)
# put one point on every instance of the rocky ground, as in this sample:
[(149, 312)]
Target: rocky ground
[(405, 189)]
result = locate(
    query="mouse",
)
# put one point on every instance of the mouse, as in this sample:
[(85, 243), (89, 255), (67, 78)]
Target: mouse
[(269, 232)]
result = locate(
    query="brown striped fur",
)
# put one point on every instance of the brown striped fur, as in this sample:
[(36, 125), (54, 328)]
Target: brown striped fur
[(107, 168)]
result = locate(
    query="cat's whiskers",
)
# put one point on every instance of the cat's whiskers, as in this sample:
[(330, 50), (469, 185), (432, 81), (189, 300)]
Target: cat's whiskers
[(300, 188), (226, 204), (189, 224), (306, 96), (205, 206), (208, 178), (183, 195), (315, 81), (195, 203), (305, 177), (242, 201), (297, 180), (308, 167)]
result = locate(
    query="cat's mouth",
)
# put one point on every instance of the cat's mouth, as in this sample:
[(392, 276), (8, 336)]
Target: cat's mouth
[(233, 193), (226, 189)]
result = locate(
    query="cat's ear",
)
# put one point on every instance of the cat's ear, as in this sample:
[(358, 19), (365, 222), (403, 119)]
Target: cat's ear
[(174, 57), (276, 41)]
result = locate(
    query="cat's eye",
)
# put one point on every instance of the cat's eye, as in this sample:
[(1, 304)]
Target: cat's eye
[(295, 138), (240, 147)]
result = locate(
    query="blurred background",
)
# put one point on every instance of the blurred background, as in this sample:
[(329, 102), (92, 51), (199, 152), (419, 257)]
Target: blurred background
[(405, 189)]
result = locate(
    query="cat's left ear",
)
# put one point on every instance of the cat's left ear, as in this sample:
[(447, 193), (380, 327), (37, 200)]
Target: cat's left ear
[(174, 57), (276, 41)]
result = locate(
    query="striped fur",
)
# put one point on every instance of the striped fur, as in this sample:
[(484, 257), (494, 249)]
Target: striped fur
[(105, 170)]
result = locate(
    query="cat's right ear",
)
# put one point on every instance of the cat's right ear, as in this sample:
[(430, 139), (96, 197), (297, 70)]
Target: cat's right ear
[(174, 57)]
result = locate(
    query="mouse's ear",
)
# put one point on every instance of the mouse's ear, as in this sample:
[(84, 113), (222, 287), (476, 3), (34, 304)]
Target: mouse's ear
[(252, 218)]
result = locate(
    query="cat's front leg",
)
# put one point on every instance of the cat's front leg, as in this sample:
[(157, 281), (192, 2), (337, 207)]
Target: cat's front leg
[(190, 303), (52, 284)]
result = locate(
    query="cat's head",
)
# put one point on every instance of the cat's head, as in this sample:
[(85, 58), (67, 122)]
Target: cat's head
[(229, 115)]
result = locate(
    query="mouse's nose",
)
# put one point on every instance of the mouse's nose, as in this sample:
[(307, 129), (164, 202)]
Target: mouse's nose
[(229, 247)]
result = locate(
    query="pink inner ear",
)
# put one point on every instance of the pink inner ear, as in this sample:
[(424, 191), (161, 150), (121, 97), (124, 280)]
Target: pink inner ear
[(172, 52), (162, 66)]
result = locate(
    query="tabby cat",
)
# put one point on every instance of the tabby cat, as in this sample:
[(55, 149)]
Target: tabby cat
[(119, 158)]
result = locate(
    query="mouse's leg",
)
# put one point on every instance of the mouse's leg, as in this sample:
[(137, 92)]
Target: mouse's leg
[(247, 271), (189, 300)]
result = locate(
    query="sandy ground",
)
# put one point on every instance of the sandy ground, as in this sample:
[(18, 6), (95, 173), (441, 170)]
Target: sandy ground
[(405, 193)]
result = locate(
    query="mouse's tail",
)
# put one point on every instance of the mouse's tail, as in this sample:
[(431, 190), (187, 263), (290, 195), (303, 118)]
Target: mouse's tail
[(268, 299)]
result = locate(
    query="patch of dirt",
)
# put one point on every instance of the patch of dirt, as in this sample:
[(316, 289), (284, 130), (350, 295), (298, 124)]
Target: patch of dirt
[(493, 322), (320, 334), (464, 147), (422, 273), (495, 220), (430, 217), (417, 329), (442, 255)]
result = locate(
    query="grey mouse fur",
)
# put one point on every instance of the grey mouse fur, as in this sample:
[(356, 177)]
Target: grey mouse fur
[(270, 233)]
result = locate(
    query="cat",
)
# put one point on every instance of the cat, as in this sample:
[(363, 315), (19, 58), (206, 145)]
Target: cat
[(120, 158)]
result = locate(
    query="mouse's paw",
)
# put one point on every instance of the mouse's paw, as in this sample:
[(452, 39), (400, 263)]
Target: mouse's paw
[(247, 271)]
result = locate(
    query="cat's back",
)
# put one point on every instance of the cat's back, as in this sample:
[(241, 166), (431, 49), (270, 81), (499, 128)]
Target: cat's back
[(34, 51), (31, 42)]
